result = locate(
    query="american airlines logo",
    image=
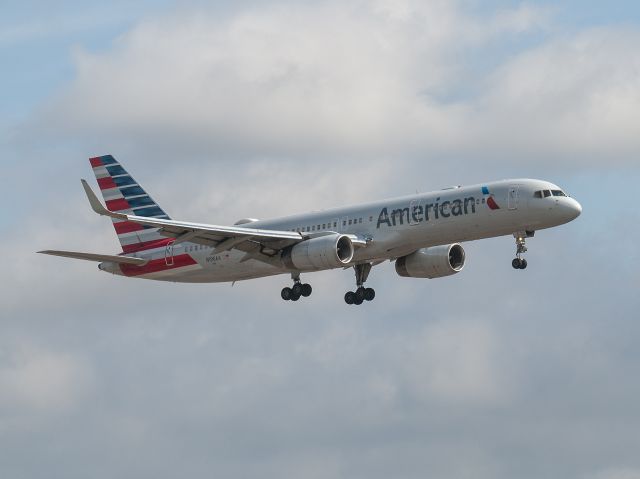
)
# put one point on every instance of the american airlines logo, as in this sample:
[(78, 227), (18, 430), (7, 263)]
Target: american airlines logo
[(419, 213), (490, 201)]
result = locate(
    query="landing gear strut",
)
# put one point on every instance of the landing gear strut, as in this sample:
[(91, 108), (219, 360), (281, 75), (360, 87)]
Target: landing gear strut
[(297, 290), (519, 262), (361, 294)]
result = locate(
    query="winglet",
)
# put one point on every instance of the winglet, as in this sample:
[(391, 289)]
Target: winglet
[(95, 202)]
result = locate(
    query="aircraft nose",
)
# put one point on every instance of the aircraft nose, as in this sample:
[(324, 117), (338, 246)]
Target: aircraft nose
[(573, 209)]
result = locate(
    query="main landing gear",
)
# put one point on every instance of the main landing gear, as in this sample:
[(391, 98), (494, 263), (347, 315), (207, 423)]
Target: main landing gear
[(519, 262), (361, 294), (297, 290)]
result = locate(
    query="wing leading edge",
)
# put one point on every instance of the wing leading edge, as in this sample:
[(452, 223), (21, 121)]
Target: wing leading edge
[(255, 242)]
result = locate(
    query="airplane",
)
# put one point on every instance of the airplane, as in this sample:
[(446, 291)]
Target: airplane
[(421, 233)]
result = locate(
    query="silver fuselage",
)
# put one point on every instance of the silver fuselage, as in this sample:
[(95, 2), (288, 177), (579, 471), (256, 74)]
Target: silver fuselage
[(391, 228)]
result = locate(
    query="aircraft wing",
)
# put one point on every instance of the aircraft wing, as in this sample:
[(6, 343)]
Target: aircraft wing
[(97, 257), (255, 242)]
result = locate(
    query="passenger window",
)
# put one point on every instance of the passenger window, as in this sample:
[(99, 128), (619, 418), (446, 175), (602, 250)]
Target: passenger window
[(482, 200), (344, 223), (335, 225), (370, 219), (349, 221), (324, 226), (547, 193), (360, 220)]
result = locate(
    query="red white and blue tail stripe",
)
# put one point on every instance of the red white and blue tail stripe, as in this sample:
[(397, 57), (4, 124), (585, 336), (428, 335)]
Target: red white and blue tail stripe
[(123, 194)]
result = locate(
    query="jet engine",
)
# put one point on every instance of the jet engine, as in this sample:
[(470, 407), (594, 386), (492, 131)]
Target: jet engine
[(434, 262), (323, 252)]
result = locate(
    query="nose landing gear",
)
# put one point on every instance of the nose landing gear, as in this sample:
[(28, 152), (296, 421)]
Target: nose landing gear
[(297, 291), (519, 262), (361, 294)]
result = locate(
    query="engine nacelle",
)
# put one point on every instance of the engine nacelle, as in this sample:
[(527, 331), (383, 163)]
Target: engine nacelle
[(434, 262), (323, 252)]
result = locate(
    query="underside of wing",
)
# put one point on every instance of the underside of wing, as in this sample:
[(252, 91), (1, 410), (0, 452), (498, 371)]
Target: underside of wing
[(97, 257)]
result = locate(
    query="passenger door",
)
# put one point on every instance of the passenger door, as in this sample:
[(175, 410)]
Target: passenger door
[(512, 197)]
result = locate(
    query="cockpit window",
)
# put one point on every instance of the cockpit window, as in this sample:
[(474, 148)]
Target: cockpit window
[(546, 193), (557, 193), (538, 194)]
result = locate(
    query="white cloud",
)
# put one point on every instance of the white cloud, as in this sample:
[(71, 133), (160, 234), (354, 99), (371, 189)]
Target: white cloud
[(522, 19), (281, 80), (331, 81), (575, 96)]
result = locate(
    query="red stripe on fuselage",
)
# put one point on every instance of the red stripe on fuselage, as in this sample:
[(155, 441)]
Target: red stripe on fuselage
[(106, 183), (145, 245), (97, 161), (118, 204), (157, 265)]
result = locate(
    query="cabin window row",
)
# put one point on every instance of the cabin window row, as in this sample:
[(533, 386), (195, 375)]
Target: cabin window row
[(334, 224)]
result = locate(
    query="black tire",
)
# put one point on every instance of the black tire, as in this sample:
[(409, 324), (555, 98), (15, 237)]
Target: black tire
[(523, 263), (306, 290), (295, 297), (358, 301), (349, 297), (286, 293), (515, 263), (297, 289), (369, 294), (360, 294)]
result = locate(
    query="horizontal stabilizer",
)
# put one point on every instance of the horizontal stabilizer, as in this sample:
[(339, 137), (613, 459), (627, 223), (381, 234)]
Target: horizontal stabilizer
[(97, 257)]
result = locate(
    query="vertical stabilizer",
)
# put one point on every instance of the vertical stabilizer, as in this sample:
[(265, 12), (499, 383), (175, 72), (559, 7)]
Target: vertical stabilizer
[(123, 194)]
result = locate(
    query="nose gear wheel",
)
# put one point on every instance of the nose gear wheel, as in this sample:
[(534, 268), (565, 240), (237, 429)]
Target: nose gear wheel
[(519, 262)]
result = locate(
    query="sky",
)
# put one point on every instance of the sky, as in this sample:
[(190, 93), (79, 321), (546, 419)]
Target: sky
[(226, 110)]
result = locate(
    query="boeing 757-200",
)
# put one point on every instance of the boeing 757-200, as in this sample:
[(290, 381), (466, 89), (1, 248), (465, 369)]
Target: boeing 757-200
[(421, 233)]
